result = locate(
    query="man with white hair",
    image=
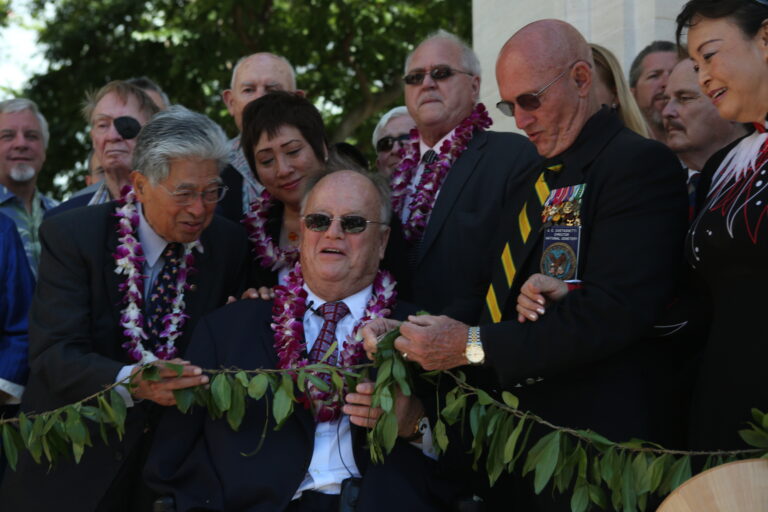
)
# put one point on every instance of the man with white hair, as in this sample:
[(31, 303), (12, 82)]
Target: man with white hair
[(23, 141), (252, 77), (455, 177), (99, 313), (390, 137)]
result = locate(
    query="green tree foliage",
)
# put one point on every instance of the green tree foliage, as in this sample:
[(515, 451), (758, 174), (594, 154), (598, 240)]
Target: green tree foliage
[(348, 54)]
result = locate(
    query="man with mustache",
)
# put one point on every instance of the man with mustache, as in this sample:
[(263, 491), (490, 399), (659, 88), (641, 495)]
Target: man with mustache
[(454, 179), (23, 140), (693, 128), (648, 76)]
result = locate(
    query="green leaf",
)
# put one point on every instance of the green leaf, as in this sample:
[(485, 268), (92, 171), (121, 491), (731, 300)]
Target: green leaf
[(597, 496), (398, 369), (510, 399), (509, 446), (677, 474), (453, 409), (178, 369), (242, 378), (184, 399), (258, 386), (386, 402), (547, 462), (282, 405), (118, 406), (25, 428), (328, 352), (12, 443), (628, 487), (107, 410), (237, 409), (222, 392), (151, 373), (483, 397), (755, 438), (385, 371), (318, 382), (599, 441), (642, 475), (656, 472), (580, 498), (757, 416), (441, 436), (388, 431), (338, 382)]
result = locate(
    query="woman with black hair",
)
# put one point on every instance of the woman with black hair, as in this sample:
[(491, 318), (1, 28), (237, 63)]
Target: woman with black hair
[(727, 244)]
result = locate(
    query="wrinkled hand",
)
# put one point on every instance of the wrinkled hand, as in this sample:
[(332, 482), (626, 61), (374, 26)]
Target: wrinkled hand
[(374, 330), (536, 294), (263, 293), (408, 409), (161, 392), (435, 342)]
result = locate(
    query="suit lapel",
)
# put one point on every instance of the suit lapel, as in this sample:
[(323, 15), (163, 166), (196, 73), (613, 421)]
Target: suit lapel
[(112, 280), (449, 192)]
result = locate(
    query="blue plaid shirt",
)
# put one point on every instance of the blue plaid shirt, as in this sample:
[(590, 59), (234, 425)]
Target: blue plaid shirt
[(27, 224)]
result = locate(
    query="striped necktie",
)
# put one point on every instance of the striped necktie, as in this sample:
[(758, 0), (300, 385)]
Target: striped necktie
[(528, 221)]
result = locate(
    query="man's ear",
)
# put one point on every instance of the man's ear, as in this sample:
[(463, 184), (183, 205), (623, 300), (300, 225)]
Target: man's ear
[(300, 93), (762, 35), (582, 75), (139, 183), (384, 240), (227, 97)]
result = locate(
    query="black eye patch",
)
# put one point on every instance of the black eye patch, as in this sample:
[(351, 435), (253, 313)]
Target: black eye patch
[(127, 127)]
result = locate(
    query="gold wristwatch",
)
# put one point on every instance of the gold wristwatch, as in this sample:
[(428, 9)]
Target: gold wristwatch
[(474, 351)]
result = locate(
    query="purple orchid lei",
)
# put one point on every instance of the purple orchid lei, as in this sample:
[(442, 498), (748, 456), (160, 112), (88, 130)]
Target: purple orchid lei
[(423, 200), (129, 258), (266, 250), (288, 310)]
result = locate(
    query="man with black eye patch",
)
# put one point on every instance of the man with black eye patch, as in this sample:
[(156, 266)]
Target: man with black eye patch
[(115, 113)]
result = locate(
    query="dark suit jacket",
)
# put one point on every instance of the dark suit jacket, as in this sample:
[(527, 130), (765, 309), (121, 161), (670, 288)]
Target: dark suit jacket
[(76, 338), (589, 347), (201, 461), (455, 248), (75, 202)]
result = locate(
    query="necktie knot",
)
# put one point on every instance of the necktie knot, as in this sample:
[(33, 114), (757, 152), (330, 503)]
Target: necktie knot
[(334, 311), (429, 157)]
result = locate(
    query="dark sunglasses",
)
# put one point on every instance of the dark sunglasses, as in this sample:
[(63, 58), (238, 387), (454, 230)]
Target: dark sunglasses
[(530, 101), (352, 224), (437, 73), (349, 223), (388, 142)]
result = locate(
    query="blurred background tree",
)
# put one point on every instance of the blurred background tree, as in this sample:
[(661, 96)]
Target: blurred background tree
[(348, 55)]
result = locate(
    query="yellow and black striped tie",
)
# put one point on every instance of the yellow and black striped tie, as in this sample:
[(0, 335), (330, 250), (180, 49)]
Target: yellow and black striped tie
[(528, 219)]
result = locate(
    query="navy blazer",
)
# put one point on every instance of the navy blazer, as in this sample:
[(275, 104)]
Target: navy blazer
[(202, 462)]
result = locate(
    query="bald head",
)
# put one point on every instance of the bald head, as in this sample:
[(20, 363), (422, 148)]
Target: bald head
[(552, 61), (548, 44), (253, 77)]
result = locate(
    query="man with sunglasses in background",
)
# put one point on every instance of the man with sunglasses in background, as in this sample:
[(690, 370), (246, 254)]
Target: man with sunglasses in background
[(317, 459), (115, 114), (604, 215), (390, 136), (455, 178), (122, 284)]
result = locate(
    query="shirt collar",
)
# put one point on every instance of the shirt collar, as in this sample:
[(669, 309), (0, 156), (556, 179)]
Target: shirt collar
[(355, 302), (152, 244), (5, 194), (46, 202), (424, 148)]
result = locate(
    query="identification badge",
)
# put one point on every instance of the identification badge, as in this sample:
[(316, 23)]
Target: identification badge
[(560, 258)]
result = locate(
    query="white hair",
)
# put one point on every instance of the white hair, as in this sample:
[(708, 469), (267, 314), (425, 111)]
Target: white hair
[(21, 104), (468, 57), (385, 119)]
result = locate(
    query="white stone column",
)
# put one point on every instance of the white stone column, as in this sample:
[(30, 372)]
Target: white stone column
[(623, 26)]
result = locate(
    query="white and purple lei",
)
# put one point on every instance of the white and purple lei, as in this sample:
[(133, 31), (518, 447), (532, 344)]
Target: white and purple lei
[(129, 259), (266, 250), (432, 177), (288, 310)]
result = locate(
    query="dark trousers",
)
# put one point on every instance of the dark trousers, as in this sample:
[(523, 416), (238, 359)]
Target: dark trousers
[(311, 501)]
